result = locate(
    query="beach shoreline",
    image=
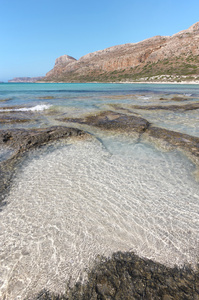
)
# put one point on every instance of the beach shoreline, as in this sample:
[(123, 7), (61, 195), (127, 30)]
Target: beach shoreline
[(129, 82)]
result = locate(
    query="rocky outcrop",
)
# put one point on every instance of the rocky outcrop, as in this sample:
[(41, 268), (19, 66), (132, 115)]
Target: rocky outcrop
[(114, 121), (125, 61), (186, 142), (61, 63), (109, 120), (64, 59), (22, 139), (127, 276)]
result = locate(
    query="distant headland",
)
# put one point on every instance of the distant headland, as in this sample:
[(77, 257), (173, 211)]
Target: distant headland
[(166, 59), (26, 79)]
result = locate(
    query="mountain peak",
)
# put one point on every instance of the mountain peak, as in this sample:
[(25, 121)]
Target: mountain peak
[(64, 59), (194, 27)]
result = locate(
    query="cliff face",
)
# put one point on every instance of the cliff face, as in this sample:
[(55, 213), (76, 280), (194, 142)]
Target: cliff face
[(61, 64), (176, 55)]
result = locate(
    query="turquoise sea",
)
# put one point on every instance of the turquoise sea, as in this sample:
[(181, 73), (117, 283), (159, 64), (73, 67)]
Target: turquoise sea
[(75, 99), (113, 191)]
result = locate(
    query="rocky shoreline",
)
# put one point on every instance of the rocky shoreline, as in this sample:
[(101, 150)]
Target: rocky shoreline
[(124, 275)]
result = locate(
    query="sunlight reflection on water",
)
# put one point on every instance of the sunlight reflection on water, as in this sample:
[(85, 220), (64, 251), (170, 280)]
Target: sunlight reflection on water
[(68, 205)]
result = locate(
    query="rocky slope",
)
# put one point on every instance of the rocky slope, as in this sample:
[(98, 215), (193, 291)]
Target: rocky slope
[(167, 58)]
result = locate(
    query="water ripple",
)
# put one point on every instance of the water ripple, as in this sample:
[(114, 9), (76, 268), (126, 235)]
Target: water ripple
[(69, 205)]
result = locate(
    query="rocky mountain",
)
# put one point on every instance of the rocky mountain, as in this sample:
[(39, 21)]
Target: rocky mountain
[(160, 58), (26, 79)]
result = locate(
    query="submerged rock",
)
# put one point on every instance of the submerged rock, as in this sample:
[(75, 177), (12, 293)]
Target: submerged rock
[(109, 120), (127, 276), (12, 120), (185, 107), (179, 140)]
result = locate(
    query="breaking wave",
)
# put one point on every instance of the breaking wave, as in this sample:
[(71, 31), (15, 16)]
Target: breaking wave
[(39, 107)]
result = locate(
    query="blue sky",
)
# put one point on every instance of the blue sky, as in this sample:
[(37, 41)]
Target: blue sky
[(34, 33)]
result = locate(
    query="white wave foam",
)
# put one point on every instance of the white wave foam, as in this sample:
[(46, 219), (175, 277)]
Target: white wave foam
[(188, 95), (39, 107)]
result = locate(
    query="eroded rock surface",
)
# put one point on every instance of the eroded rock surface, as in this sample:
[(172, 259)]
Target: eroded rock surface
[(22, 139), (127, 276), (109, 120), (179, 140), (185, 107)]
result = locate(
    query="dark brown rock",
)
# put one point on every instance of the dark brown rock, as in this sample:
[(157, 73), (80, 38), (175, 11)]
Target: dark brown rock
[(23, 140), (190, 106), (176, 98), (179, 140), (109, 120), (127, 276)]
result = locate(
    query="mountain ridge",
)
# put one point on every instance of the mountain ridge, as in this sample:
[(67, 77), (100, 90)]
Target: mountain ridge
[(161, 56)]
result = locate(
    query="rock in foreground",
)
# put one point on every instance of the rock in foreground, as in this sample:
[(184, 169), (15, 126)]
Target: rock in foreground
[(127, 276)]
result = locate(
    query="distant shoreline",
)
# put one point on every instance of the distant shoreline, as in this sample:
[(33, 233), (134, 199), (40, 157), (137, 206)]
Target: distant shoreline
[(164, 82), (131, 82), (118, 82)]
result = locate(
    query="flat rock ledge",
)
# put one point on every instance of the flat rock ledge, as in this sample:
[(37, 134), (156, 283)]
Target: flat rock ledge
[(19, 141), (114, 121), (186, 142), (109, 120), (185, 107), (126, 276)]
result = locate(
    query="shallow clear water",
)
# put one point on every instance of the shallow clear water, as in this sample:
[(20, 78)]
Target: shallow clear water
[(5, 153), (84, 199), (71, 202), (185, 122), (46, 103)]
